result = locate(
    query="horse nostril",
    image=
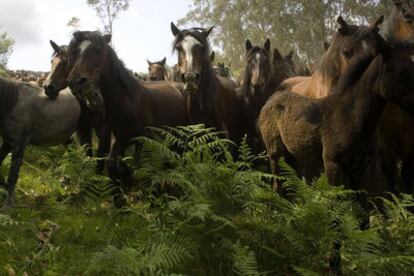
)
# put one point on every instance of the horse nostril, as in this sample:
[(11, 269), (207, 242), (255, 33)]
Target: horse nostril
[(81, 80), (48, 88)]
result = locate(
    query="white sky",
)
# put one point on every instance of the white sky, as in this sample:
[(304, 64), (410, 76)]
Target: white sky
[(140, 33)]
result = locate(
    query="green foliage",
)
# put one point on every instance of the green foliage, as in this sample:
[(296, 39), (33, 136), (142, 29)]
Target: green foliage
[(300, 25), (108, 10), (6, 49), (198, 211)]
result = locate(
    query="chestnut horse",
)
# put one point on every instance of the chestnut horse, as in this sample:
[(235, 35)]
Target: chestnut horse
[(131, 105), (315, 133), (159, 71), (346, 44), (210, 99), (93, 109)]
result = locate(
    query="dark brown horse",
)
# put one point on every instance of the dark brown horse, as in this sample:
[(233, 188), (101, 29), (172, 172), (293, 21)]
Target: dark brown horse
[(397, 127), (210, 99), (346, 44), (93, 108), (263, 73), (131, 105), (338, 132)]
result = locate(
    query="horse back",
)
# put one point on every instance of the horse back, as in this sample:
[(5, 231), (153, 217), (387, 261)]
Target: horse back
[(166, 103), (230, 106)]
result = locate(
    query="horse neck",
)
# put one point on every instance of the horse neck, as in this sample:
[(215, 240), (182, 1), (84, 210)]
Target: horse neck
[(362, 101), (8, 96), (117, 83), (122, 93), (206, 95)]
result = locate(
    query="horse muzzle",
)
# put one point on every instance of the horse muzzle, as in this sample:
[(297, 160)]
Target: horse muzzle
[(51, 91), (256, 88), (190, 82)]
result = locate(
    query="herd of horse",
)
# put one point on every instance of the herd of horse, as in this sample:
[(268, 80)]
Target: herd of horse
[(351, 116)]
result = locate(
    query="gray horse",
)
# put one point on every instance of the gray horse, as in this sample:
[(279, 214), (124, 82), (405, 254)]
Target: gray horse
[(29, 117)]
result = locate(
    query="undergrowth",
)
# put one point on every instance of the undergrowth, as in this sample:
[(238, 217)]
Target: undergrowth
[(196, 211)]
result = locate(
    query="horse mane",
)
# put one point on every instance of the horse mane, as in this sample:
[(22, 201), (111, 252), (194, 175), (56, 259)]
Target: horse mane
[(206, 94), (329, 64), (8, 96), (129, 82), (390, 24)]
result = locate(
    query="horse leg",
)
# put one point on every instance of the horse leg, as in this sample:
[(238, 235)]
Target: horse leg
[(17, 160), (5, 149), (113, 170), (104, 145), (407, 174), (84, 132), (276, 151)]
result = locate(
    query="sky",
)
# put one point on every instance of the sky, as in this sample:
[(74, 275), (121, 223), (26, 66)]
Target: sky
[(140, 33)]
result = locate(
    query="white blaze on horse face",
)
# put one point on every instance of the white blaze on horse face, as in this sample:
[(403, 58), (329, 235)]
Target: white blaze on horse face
[(258, 60), (364, 45), (83, 46), (188, 44), (412, 58)]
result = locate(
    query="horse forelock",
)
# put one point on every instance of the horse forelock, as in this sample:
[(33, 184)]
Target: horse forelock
[(196, 34)]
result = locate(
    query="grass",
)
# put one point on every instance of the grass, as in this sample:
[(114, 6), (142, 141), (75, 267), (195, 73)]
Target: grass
[(217, 216)]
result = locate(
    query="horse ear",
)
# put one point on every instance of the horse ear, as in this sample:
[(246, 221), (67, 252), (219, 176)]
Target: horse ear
[(174, 29), (378, 22), (326, 45), (107, 38), (267, 45), (290, 55), (207, 32), (149, 62), (276, 55), (163, 61), (78, 35), (343, 30), (212, 56), (397, 3), (54, 46), (249, 45)]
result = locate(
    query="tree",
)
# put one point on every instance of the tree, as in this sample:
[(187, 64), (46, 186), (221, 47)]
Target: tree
[(299, 25), (6, 49), (108, 11), (74, 23)]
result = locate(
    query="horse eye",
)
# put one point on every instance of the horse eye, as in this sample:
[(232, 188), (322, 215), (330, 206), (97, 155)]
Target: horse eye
[(348, 53)]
